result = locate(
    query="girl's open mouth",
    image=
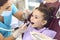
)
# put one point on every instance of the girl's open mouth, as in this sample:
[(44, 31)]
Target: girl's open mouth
[(32, 23)]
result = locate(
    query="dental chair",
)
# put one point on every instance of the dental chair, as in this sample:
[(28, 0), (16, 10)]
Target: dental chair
[(54, 24)]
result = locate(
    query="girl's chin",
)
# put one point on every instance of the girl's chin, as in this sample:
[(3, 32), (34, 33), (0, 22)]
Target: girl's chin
[(34, 26)]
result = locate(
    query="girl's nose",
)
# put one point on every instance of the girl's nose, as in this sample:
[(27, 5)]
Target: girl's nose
[(32, 18)]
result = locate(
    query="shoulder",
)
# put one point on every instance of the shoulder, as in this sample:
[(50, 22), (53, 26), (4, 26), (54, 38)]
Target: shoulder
[(14, 9), (49, 33), (12, 5)]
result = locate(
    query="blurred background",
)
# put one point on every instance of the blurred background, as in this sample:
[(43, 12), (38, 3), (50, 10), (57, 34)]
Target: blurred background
[(28, 4)]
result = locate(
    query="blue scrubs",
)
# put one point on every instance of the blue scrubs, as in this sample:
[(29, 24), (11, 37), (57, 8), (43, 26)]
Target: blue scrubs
[(7, 21)]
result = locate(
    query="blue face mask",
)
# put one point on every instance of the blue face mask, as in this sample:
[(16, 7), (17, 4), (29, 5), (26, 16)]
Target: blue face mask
[(6, 13), (7, 17)]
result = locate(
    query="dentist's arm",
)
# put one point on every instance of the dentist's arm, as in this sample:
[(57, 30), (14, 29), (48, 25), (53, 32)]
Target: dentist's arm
[(1, 37), (18, 32), (15, 34), (8, 38), (20, 14)]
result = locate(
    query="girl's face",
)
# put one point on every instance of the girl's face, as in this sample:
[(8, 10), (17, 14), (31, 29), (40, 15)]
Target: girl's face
[(37, 19), (6, 6)]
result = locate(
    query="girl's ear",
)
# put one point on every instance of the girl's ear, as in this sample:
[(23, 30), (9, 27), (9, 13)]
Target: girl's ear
[(44, 22)]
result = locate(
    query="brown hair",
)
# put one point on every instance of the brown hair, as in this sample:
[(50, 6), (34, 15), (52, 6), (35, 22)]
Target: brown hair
[(2, 2), (47, 13)]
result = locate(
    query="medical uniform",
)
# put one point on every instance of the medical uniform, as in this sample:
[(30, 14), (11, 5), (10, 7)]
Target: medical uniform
[(46, 31), (7, 20)]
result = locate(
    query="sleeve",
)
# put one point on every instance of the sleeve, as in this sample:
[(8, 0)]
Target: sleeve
[(49, 33), (14, 9), (4, 28)]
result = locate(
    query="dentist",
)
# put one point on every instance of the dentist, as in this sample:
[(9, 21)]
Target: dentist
[(7, 9)]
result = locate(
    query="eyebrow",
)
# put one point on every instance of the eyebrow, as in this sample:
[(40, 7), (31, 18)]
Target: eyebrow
[(7, 7)]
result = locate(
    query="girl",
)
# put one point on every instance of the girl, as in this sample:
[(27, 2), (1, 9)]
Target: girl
[(38, 20)]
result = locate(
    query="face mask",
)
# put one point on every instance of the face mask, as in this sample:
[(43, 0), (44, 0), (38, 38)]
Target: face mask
[(6, 13)]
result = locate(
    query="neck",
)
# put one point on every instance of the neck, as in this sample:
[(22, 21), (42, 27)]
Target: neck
[(38, 28)]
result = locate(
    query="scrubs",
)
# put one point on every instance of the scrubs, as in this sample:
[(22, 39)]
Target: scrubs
[(7, 21)]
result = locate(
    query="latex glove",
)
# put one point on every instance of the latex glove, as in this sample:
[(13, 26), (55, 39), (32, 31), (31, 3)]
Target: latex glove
[(39, 36), (26, 13), (19, 31), (19, 38), (23, 28)]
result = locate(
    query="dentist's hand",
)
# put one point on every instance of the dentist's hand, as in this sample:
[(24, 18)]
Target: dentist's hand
[(23, 28), (19, 31), (26, 13)]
